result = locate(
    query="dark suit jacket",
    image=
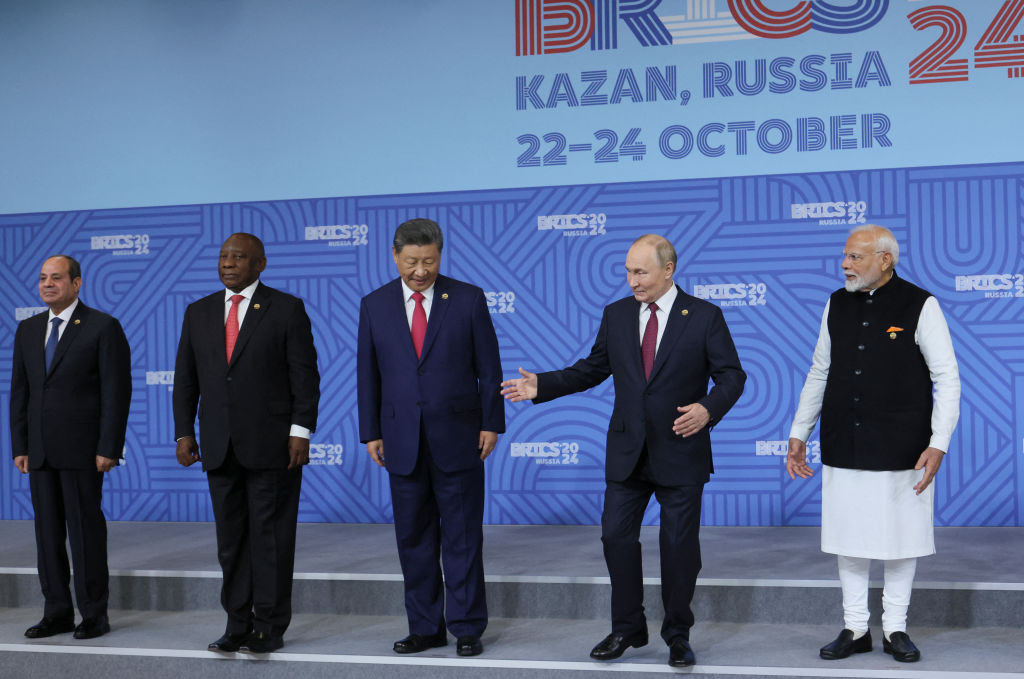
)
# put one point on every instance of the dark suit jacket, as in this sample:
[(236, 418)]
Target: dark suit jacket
[(271, 383), (454, 387), (79, 408), (695, 347)]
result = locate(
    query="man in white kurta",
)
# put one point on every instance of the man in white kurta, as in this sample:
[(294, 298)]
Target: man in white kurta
[(880, 451)]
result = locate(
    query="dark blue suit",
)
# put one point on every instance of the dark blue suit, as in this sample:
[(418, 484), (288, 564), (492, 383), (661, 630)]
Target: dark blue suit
[(429, 412), (644, 455)]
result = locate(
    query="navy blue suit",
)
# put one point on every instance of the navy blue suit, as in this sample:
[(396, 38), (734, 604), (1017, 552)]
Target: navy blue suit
[(429, 412), (644, 455)]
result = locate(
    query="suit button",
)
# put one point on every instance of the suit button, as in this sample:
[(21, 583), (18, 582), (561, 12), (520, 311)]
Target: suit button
[(419, 404), (229, 379), (860, 347), (857, 371), (865, 323), (869, 301), (856, 399), (419, 372), (856, 424)]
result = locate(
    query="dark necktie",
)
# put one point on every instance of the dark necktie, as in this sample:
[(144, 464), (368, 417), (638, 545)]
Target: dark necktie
[(650, 342), (419, 323), (231, 327), (51, 341)]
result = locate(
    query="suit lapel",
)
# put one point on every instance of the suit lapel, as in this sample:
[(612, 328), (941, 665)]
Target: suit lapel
[(78, 319), (677, 322), (35, 352), (632, 338), (259, 305), (438, 308)]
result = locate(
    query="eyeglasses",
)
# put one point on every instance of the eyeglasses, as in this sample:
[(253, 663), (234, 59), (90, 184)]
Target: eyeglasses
[(856, 257)]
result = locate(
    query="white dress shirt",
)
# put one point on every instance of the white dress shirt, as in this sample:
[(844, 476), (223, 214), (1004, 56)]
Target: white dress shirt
[(243, 306), (410, 303), (64, 316), (664, 303)]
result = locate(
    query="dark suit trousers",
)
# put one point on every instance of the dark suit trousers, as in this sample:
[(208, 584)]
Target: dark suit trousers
[(66, 503), (256, 511), (624, 505), (438, 521)]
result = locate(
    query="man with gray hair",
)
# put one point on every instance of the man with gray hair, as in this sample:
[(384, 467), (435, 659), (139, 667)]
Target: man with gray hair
[(882, 349)]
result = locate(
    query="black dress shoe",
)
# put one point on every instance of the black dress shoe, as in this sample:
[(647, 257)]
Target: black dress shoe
[(900, 647), (680, 654), (615, 644), (47, 627), (261, 642), (845, 645), (467, 646), (90, 628), (417, 643), (229, 643)]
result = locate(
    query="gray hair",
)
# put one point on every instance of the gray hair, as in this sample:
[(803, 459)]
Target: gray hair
[(418, 232), (884, 240)]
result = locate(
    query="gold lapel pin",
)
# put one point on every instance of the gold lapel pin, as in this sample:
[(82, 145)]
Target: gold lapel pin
[(685, 312), (255, 306), (444, 295), (77, 321)]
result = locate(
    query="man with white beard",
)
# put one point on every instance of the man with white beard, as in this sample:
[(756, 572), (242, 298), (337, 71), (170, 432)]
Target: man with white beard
[(882, 348)]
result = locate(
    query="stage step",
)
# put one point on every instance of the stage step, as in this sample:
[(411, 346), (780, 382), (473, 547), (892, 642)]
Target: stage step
[(166, 645)]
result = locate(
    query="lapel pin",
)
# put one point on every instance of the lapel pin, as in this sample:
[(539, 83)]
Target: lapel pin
[(893, 330), (256, 306), (444, 295), (685, 312), (77, 321), (892, 335)]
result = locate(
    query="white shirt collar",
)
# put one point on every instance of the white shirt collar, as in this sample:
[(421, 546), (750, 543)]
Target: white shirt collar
[(247, 292), (664, 302), (66, 314), (407, 291)]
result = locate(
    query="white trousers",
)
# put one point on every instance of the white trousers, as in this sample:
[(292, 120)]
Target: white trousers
[(854, 574)]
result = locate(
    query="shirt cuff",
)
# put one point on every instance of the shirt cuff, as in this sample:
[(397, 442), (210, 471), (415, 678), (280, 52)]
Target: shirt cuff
[(300, 432)]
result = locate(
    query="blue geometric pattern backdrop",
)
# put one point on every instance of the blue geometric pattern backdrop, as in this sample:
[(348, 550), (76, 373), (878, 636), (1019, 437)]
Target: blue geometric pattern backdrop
[(765, 248)]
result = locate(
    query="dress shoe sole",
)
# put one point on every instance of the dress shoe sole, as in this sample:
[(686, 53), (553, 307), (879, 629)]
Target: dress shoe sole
[(615, 656), (92, 634), (681, 663), (903, 657), (52, 632)]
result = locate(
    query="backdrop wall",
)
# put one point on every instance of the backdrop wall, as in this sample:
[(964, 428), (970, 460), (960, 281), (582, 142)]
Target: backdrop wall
[(544, 136)]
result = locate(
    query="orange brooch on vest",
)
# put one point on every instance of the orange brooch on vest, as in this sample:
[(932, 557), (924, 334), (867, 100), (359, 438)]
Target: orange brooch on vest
[(893, 330)]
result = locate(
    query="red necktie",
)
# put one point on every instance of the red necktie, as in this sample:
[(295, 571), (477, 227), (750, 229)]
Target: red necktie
[(650, 341), (231, 327), (419, 323)]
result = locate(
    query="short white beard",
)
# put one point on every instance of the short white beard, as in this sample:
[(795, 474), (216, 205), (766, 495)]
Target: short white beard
[(855, 285)]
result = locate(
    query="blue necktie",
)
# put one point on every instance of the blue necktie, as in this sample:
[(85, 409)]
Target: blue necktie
[(51, 341)]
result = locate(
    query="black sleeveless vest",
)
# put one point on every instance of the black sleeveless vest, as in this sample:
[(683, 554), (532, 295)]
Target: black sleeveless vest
[(877, 409)]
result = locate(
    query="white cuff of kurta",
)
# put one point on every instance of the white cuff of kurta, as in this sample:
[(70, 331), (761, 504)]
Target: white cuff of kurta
[(940, 442), (300, 432)]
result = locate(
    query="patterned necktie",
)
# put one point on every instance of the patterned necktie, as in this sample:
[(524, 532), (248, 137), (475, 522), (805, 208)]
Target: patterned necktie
[(231, 327), (51, 341), (650, 342), (419, 323)]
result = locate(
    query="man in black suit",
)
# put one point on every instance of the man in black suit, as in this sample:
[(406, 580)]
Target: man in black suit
[(71, 388), (246, 360), (661, 346)]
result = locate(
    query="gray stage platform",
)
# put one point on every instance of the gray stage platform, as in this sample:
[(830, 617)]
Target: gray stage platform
[(767, 600)]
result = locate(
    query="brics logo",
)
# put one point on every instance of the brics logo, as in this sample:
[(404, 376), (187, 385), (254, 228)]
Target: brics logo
[(835, 212), (993, 285), (547, 452), (122, 244), (154, 377), (340, 235), (326, 454), (733, 294), (500, 301), (580, 224), (23, 312), (781, 449), (555, 26)]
